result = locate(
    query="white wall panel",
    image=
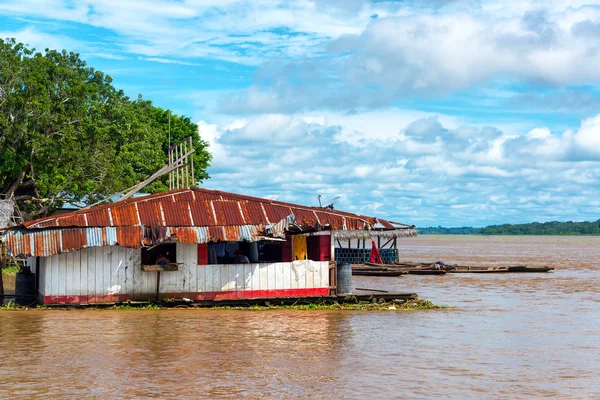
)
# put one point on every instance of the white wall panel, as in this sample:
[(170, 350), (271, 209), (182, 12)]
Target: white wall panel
[(97, 272)]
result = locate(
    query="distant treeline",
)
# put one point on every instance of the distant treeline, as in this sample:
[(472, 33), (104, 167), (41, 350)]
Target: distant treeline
[(534, 228)]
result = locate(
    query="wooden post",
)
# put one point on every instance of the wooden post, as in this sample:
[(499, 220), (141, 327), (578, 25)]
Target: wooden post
[(183, 170), (177, 170), (192, 162), (332, 242)]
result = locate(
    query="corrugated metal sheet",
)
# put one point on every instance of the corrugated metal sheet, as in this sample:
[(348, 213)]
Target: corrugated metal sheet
[(190, 215)]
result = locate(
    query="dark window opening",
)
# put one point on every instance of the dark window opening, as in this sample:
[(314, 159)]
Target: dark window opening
[(162, 254), (270, 251), (242, 252)]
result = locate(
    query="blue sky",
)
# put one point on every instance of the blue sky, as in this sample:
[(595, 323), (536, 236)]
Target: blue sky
[(434, 113)]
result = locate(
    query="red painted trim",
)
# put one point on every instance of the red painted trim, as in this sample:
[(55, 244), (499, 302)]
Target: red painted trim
[(84, 299), (248, 294), (224, 295)]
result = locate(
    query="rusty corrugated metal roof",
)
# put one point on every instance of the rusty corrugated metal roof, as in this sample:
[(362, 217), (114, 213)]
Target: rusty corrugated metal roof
[(199, 207), (191, 215)]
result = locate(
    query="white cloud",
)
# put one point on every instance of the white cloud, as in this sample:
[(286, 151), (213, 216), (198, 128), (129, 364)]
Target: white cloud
[(469, 175), (432, 54)]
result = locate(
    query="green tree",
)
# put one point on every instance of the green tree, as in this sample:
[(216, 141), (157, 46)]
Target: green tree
[(68, 135)]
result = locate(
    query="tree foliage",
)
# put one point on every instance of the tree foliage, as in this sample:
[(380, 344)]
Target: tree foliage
[(535, 228), (68, 135), (546, 228)]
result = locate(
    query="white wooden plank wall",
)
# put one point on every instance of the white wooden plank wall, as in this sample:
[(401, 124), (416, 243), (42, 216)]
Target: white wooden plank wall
[(97, 272), (300, 274)]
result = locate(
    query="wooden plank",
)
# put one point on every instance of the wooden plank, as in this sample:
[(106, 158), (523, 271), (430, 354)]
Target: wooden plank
[(48, 275), (279, 275), (271, 269), (325, 274), (286, 280), (107, 268), (52, 284), (263, 283), (255, 276), (171, 267), (100, 261), (192, 251), (83, 260), (224, 274), (310, 274), (208, 278), (90, 254), (62, 275), (216, 278), (301, 267), (200, 278), (316, 267)]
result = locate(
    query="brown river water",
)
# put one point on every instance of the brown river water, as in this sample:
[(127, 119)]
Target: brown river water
[(510, 336)]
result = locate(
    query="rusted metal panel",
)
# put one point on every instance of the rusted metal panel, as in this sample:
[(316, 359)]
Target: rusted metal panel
[(185, 196), (386, 224), (305, 218), (98, 218), (125, 215), (202, 213), (46, 224), (253, 213), (207, 195), (231, 233), (276, 213), (185, 234), (150, 213), (73, 239), (176, 213), (72, 220), (335, 221), (191, 215), (216, 233), (228, 213), (130, 236)]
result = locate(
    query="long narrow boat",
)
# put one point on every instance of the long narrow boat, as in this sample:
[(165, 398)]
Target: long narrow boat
[(418, 271), (525, 268), (373, 272), (477, 270), (413, 270), (468, 269)]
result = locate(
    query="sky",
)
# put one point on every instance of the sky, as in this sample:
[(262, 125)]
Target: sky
[(438, 112)]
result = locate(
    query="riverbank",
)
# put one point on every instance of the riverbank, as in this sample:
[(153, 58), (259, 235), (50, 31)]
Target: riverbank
[(414, 304)]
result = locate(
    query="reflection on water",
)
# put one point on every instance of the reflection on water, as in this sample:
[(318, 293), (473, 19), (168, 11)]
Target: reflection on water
[(511, 336)]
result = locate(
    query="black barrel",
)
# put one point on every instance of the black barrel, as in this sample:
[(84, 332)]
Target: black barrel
[(344, 278), (25, 288)]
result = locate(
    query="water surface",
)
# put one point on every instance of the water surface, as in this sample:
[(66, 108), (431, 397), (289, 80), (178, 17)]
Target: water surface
[(510, 336)]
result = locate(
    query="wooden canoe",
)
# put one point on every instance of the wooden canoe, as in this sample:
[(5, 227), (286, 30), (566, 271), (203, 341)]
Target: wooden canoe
[(524, 268), (370, 272), (417, 271), (478, 270)]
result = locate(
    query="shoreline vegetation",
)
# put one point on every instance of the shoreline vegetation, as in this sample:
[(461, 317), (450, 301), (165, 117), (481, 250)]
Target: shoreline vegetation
[(553, 228), (384, 306)]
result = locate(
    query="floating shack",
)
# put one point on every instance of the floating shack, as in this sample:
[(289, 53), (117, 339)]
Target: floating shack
[(194, 244)]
